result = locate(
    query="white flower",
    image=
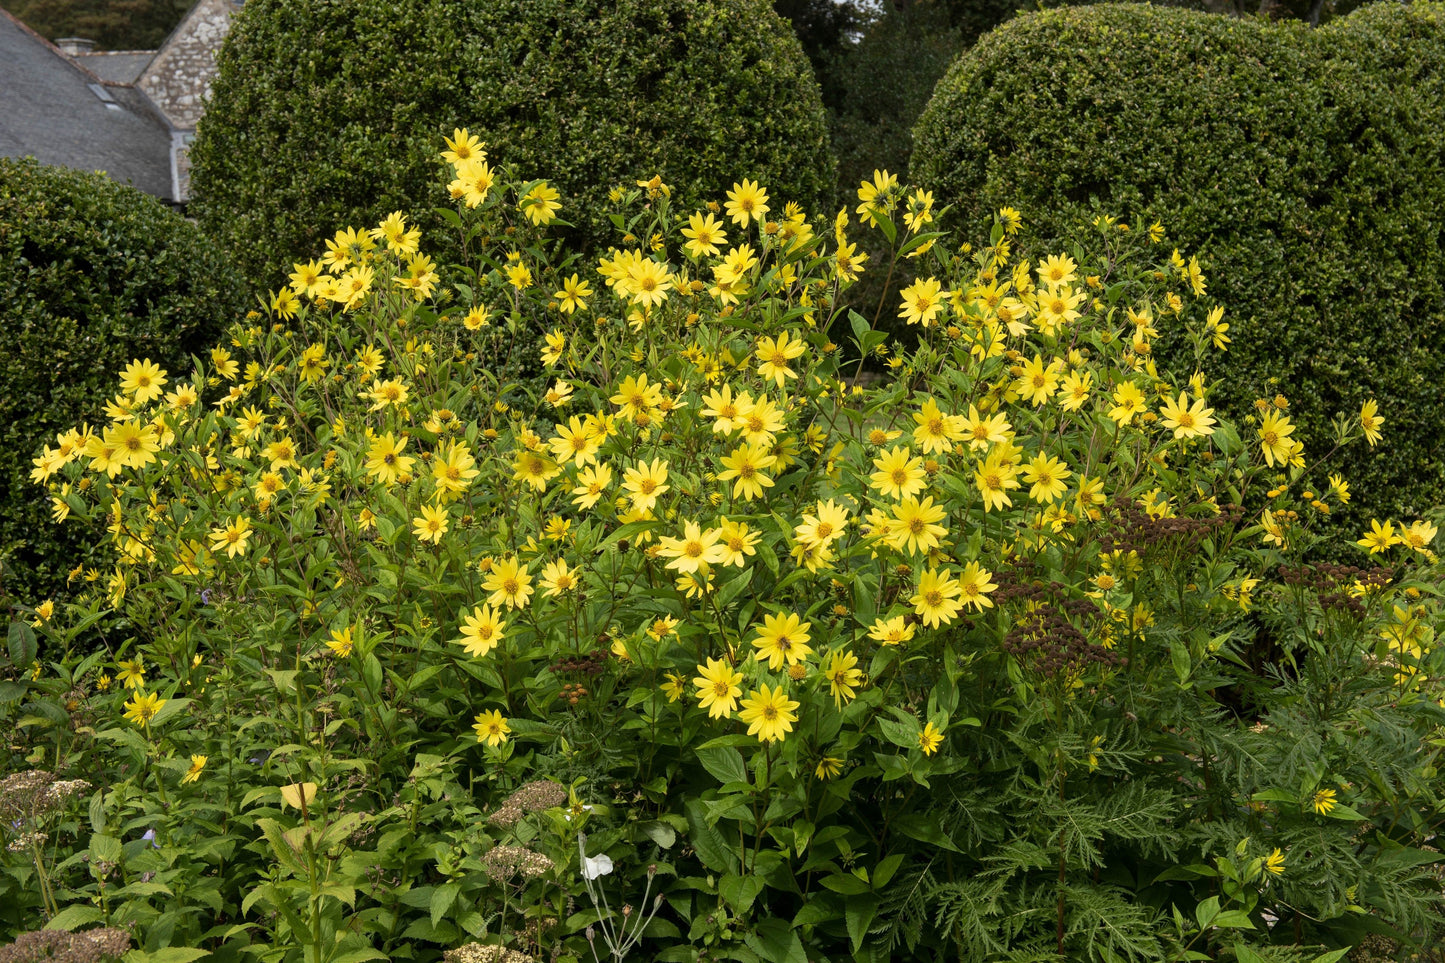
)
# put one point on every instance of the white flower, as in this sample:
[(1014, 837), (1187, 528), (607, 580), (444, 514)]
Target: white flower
[(595, 866)]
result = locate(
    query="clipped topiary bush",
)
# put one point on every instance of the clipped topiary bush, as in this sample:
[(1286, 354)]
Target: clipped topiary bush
[(327, 113), (1307, 163), (92, 275)]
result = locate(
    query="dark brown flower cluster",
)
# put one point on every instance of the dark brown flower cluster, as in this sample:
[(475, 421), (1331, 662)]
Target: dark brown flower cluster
[(1045, 635), (55, 946), (590, 664), (1129, 528), (1337, 587)]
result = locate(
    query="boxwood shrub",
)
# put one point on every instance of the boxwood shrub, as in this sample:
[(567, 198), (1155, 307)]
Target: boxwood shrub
[(92, 275), (329, 113), (1307, 163)]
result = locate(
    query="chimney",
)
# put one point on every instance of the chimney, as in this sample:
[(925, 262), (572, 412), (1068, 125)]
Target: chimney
[(75, 46)]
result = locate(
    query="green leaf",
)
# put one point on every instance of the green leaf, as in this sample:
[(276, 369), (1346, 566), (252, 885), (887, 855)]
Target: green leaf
[(1244, 954), (73, 916), (1234, 920), (714, 851), (23, 646), (1206, 911), (859, 324), (442, 899), (724, 763), (105, 848), (845, 883), (1342, 811), (740, 891), (734, 587), (1331, 956), (177, 954), (775, 941), (660, 833), (859, 914), (925, 829)]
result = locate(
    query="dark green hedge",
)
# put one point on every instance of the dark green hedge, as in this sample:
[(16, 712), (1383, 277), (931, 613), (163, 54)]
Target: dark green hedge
[(92, 275), (1305, 166), (327, 113)]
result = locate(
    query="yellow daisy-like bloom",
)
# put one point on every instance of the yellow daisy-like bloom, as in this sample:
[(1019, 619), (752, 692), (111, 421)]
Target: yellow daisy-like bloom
[(1074, 390), (824, 525), (1187, 421), (783, 639), (145, 380), (131, 673), (934, 432), (1057, 269), (705, 234), (828, 767), (509, 584), (898, 474), (1274, 438), (645, 483), (773, 355), (491, 727), (557, 578), (398, 237), (747, 202), (929, 739), (1380, 537), (696, 550), (922, 301), (894, 631), (981, 432), (769, 713), (995, 477), (454, 470), (761, 423), (385, 461), (193, 774), (914, 526), (462, 147), (575, 442), (540, 204), (737, 542), (281, 454), (936, 602), (341, 642), (725, 410), (592, 484), (573, 295), (473, 182), (534, 469), (431, 525), (875, 196), (482, 630), (1370, 421), (1324, 801), (635, 396), (135, 445), (1128, 402), (844, 677), (1046, 475), (649, 281), (1419, 536), (718, 688), (142, 707), (233, 537), (974, 586), (1274, 863), (1037, 382)]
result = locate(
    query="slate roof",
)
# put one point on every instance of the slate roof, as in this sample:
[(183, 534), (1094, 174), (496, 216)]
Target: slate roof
[(116, 66), (62, 114)]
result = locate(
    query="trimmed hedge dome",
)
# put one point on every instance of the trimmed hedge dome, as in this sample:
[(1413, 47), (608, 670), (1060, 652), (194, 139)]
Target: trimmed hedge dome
[(93, 274), (1305, 167), (326, 114)]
